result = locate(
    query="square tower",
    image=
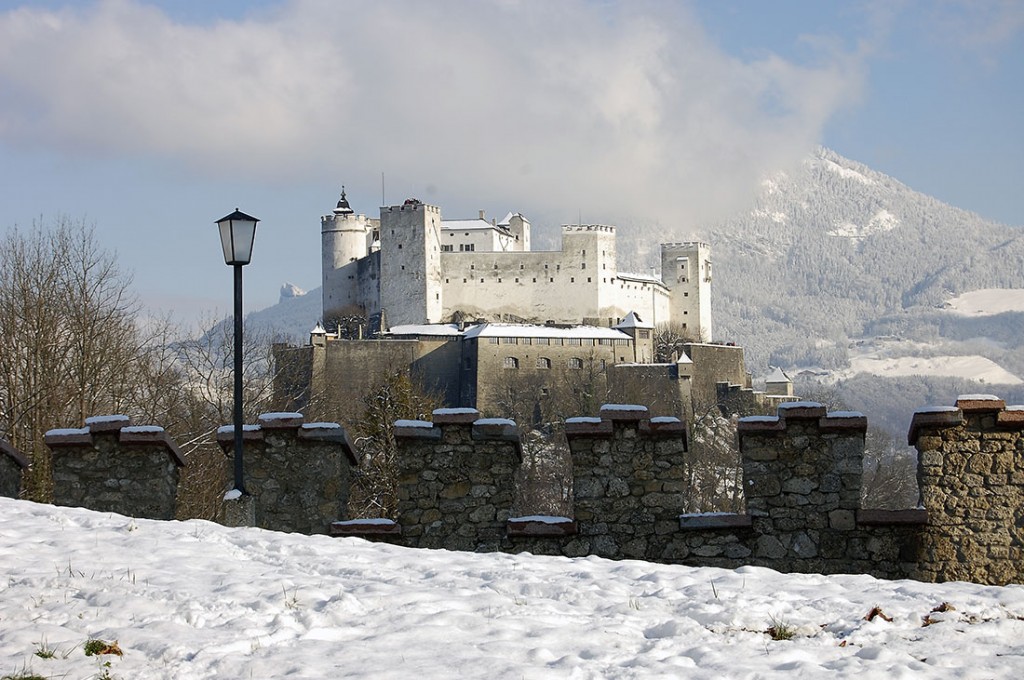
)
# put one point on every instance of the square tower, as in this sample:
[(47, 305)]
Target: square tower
[(686, 271), (410, 263)]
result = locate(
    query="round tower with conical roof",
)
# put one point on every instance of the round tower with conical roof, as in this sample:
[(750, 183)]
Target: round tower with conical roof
[(346, 238)]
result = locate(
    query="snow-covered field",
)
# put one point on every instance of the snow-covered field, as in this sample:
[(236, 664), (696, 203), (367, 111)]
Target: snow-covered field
[(196, 600), (969, 367), (988, 301)]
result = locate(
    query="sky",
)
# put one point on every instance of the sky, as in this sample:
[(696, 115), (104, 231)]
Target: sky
[(151, 119), (198, 600)]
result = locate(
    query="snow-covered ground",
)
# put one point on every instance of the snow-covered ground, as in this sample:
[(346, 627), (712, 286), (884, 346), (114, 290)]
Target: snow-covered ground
[(196, 600), (988, 301)]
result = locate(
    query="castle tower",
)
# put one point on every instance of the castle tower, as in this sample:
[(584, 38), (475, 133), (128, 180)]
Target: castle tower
[(686, 271), (410, 263), (344, 239)]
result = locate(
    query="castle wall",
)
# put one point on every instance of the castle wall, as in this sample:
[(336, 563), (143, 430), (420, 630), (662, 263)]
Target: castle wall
[(713, 364), (456, 480), (111, 466), (971, 476), (574, 363), (12, 462), (296, 472)]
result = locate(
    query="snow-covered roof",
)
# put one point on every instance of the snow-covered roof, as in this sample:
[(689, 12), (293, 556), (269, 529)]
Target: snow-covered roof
[(507, 219), (633, 320), (509, 330), (777, 376), (468, 225), (426, 329), (643, 278)]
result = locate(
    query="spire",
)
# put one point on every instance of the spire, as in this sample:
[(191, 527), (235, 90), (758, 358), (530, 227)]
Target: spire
[(343, 206)]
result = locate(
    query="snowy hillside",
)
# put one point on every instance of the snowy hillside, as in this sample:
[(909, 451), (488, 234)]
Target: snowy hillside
[(196, 600)]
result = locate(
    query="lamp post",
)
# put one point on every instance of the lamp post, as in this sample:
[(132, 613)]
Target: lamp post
[(237, 233)]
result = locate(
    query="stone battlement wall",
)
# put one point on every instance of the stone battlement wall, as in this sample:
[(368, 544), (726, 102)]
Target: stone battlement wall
[(112, 466), (296, 472)]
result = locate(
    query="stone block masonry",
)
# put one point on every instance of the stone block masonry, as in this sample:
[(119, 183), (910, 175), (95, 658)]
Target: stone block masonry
[(456, 480), (296, 472), (971, 476), (111, 466), (12, 463), (629, 479)]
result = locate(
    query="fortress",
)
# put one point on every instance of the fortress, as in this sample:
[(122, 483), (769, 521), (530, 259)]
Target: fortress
[(411, 266), (485, 322)]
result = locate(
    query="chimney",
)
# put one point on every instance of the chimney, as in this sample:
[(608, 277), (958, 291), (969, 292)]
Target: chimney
[(482, 215)]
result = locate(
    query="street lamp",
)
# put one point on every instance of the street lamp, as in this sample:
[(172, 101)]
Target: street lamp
[(237, 233)]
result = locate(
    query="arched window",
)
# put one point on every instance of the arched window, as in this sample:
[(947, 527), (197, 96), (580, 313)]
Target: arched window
[(543, 362), (511, 362), (575, 362)]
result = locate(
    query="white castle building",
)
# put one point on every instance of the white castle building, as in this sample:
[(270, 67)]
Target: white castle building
[(411, 266)]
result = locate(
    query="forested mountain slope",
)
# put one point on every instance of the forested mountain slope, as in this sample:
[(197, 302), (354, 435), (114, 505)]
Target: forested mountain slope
[(834, 252)]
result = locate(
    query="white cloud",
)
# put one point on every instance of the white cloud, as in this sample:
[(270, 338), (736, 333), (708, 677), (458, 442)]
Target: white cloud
[(625, 110)]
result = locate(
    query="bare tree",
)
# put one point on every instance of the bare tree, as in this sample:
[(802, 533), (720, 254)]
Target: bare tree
[(374, 483), (69, 346)]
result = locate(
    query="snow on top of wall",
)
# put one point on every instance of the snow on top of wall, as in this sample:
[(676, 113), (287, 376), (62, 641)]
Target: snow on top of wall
[(494, 421), (426, 329), (456, 411), (543, 519), (414, 423), (977, 397), (96, 420), (665, 419), (225, 429), (142, 429), (62, 431), (321, 426), (502, 330), (586, 420)]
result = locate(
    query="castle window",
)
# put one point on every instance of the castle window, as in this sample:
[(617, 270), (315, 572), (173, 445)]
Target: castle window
[(521, 266), (525, 341), (584, 253), (535, 280), (481, 280), (399, 246), (574, 341), (446, 280), (495, 265), (604, 341), (684, 326), (545, 266), (572, 279), (551, 280), (645, 335), (543, 362), (685, 312), (604, 364), (447, 248), (542, 341), (499, 279), (464, 281), (492, 341), (517, 280), (511, 362), (403, 267), (588, 279), (437, 296), (583, 265), (558, 267), (575, 362), (472, 266)]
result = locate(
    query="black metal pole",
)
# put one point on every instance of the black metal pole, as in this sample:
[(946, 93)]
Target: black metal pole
[(239, 482)]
